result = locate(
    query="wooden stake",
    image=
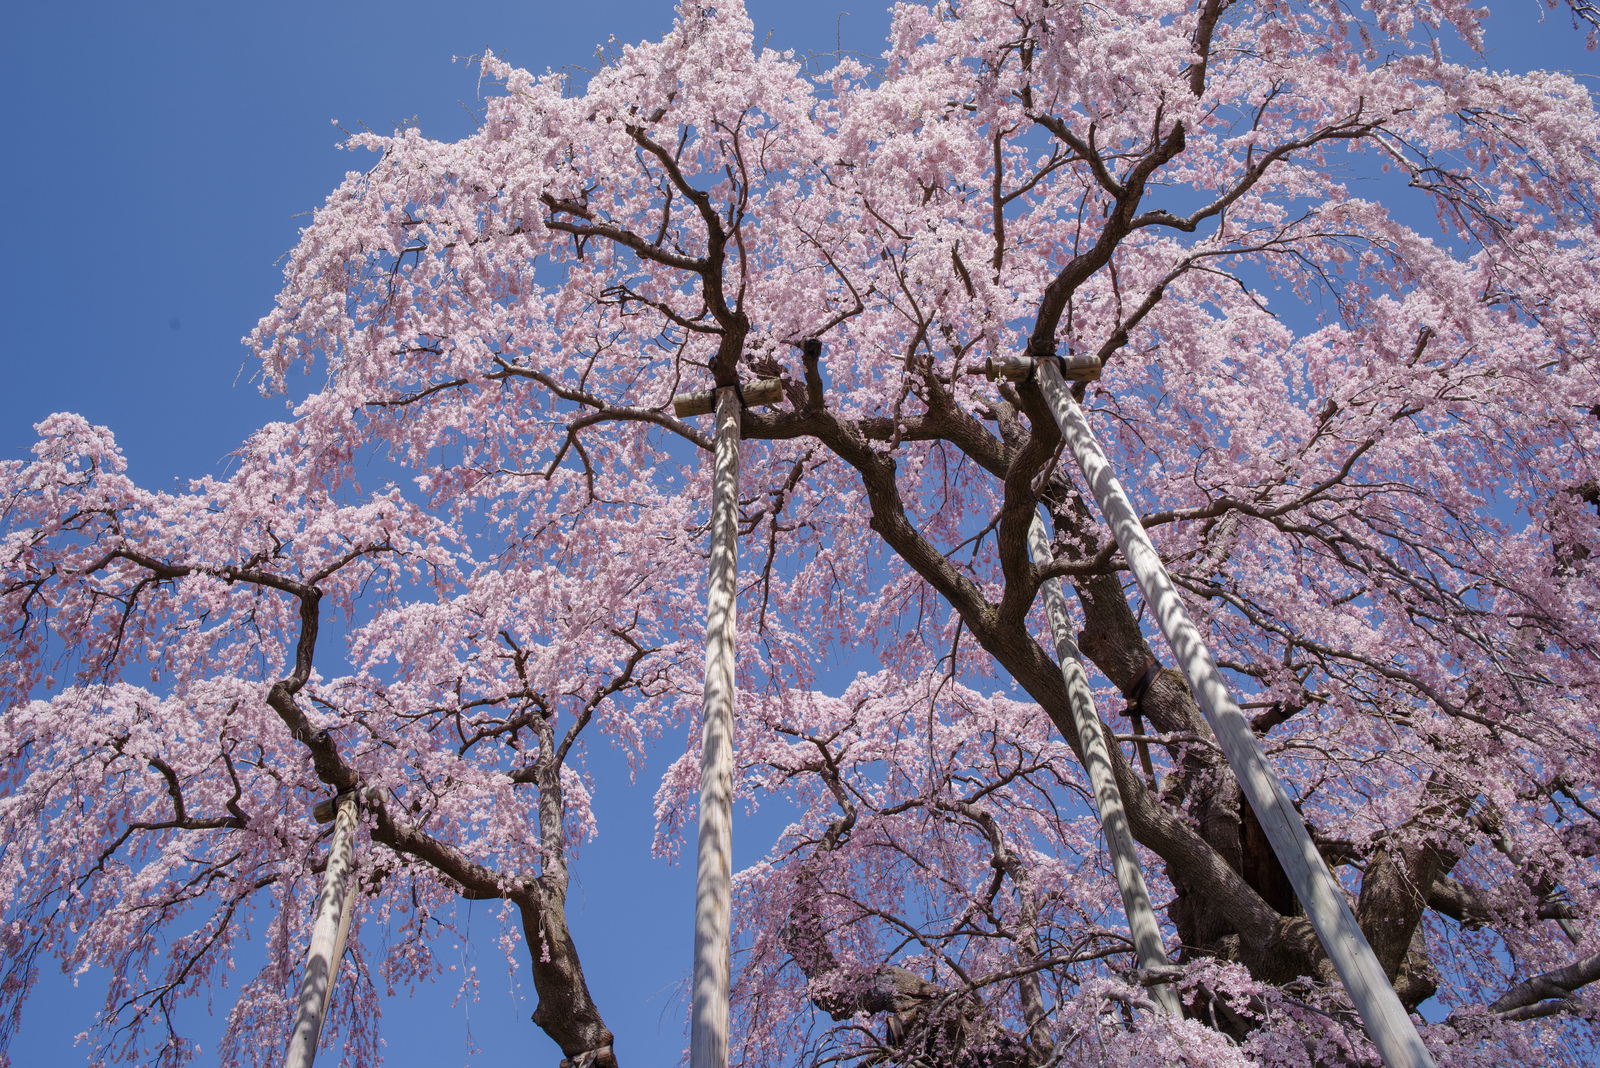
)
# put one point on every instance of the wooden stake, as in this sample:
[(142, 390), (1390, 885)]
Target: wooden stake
[(1097, 761), (327, 938), (1388, 1024), (713, 904)]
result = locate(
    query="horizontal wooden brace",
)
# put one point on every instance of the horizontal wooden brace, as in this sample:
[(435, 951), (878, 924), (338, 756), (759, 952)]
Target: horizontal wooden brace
[(1021, 368), (704, 401)]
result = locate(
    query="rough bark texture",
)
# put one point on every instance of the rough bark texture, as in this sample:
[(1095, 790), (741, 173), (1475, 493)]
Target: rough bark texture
[(1272, 945)]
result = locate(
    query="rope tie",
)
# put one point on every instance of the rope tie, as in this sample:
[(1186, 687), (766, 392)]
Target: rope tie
[(1134, 695)]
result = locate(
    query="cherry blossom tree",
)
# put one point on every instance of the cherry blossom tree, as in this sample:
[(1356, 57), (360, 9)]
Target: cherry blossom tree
[(1342, 291)]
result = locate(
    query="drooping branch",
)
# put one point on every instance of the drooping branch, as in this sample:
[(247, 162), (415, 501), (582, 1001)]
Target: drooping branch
[(1549, 993), (566, 1009)]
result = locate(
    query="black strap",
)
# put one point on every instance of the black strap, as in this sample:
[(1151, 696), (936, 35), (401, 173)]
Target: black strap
[(1046, 353), (1135, 693), (1060, 362), (1135, 697)]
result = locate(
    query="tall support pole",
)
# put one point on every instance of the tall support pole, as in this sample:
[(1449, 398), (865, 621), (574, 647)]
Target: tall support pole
[(327, 938), (1387, 1022), (713, 904), (1107, 798)]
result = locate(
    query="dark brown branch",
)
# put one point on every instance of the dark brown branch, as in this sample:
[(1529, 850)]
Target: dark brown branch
[(1557, 985), (1210, 11)]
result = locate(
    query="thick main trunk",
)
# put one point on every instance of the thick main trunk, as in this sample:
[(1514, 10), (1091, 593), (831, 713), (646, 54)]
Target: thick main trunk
[(1206, 852), (565, 1011), (1112, 639), (1275, 947), (1394, 893)]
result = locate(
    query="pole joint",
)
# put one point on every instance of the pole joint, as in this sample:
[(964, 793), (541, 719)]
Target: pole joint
[(766, 391), (327, 810), (1023, 368)]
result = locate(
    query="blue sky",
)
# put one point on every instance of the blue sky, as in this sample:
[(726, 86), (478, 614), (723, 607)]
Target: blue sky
[(157, 156)]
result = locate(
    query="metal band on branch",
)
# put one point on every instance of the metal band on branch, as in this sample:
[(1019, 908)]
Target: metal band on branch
[(701, 402), (713, 915), (1387, 1023), (1108, 799), (328, 932)]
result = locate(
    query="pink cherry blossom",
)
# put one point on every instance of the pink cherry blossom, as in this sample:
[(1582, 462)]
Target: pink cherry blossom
[(1343, 294)]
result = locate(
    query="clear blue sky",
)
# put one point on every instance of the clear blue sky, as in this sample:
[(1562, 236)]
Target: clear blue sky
[(156, 155)]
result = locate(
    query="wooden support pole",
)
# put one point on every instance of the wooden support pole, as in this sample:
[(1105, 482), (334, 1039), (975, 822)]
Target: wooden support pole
[(327, 938), (1387, 1022), (713, 904), (1107, 798)]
